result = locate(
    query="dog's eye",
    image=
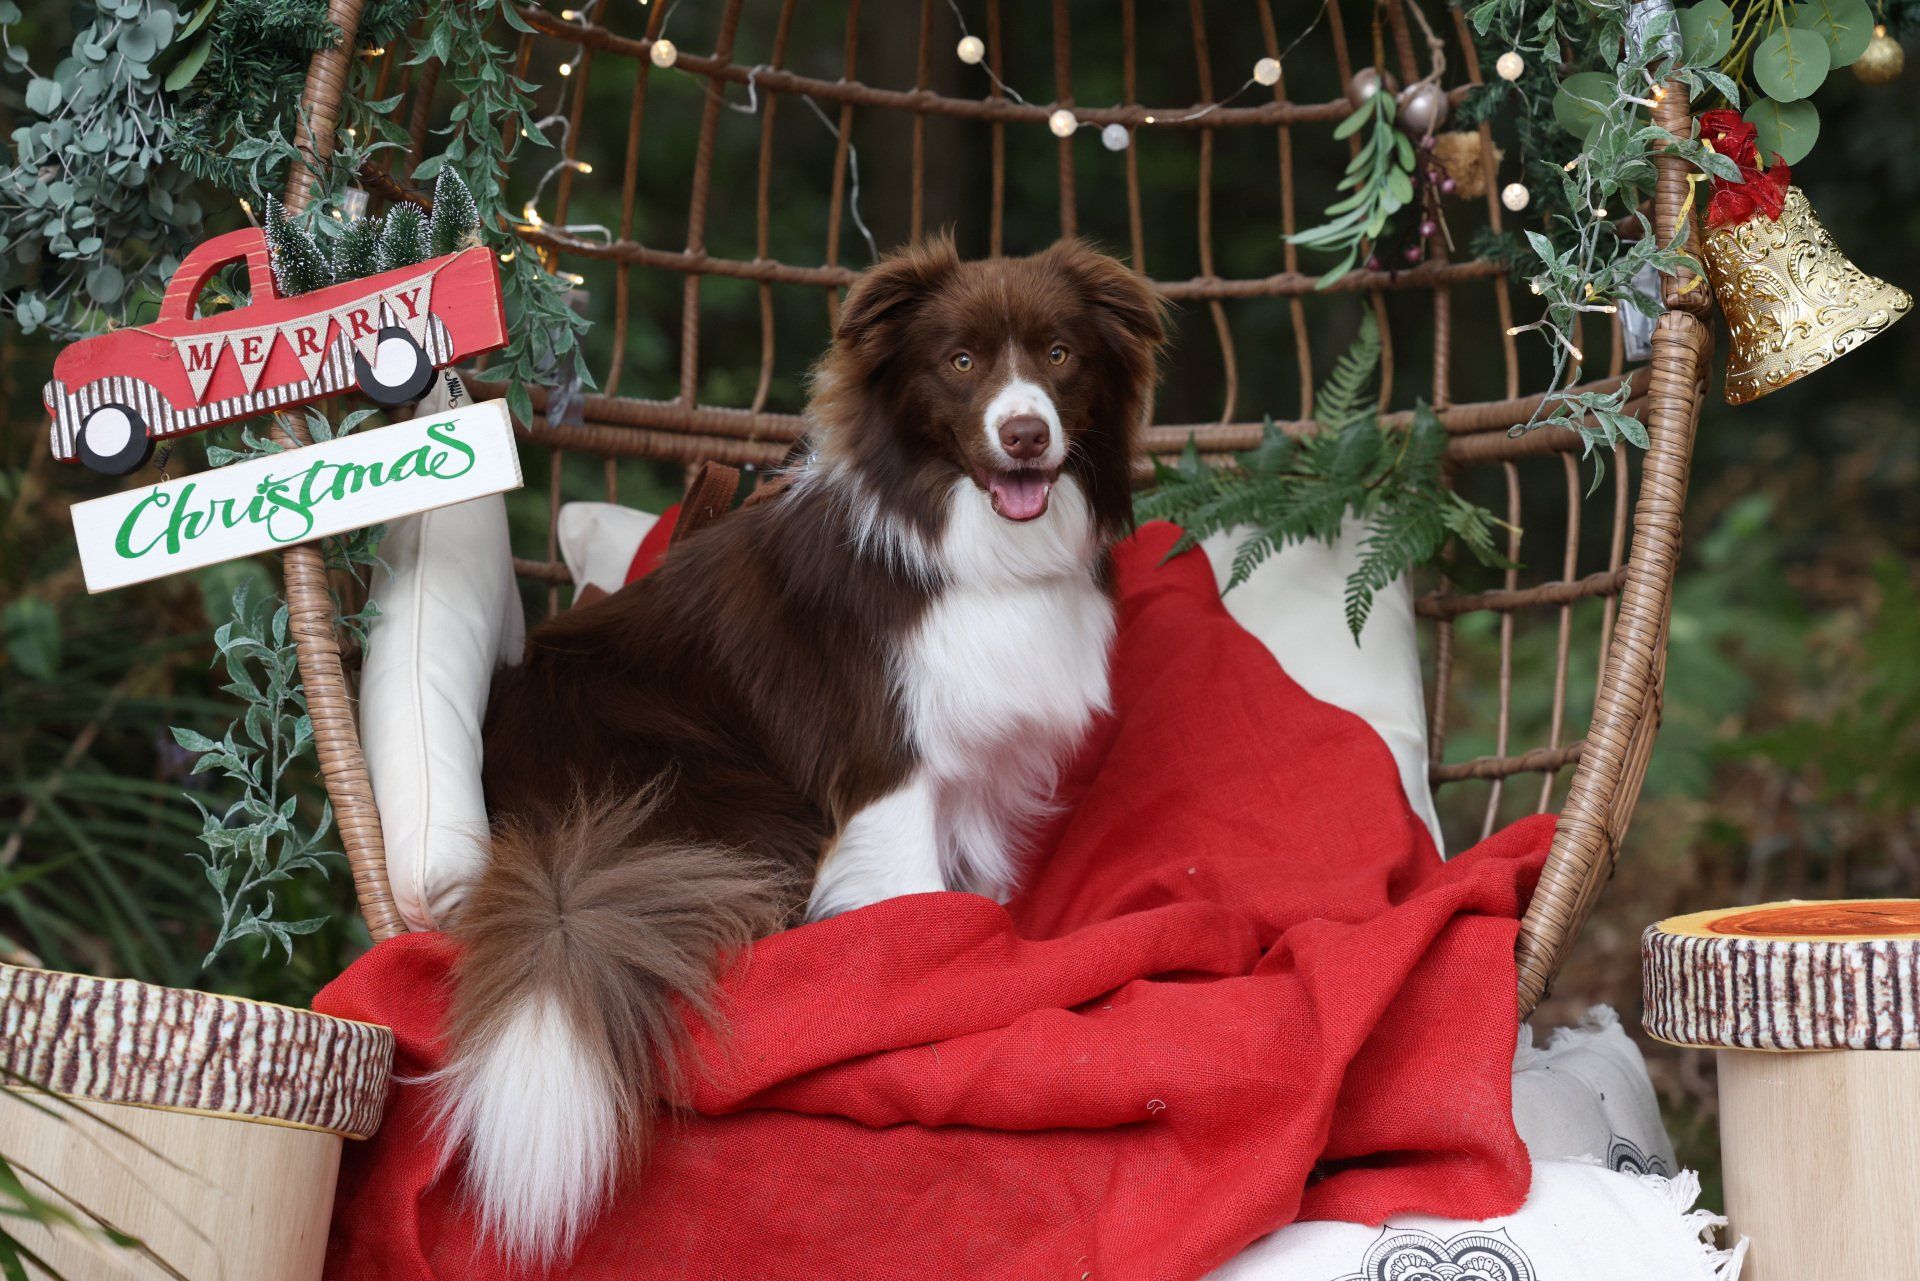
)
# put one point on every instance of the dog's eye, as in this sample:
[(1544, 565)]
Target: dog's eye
[(962, 361), (1058, 355)]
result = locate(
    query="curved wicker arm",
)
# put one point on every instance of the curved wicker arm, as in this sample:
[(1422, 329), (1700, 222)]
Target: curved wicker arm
[(1626, 709), (313, 620)]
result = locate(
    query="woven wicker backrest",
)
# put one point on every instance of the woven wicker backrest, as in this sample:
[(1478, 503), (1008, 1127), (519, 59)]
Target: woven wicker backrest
[(1247, 343)]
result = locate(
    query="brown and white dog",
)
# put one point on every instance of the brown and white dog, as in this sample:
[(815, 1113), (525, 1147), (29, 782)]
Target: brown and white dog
[(862, 689)]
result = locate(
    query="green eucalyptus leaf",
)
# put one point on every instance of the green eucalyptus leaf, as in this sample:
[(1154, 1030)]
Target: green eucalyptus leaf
[(1582, 101), (1786, 129), (43, 96), (1791, 63), (1706, 33), (1845, 25)]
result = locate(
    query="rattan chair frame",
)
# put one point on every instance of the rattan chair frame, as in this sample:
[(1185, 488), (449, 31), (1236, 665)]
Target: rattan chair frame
[(1608, 765)]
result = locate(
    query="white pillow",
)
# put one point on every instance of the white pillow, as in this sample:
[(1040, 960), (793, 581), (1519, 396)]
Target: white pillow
[(1295, 603), (1587, 1094), (448, 613), (597, 542), (1580, 1222)]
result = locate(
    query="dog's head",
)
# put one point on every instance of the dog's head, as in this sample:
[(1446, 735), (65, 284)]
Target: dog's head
[(1009, 372)]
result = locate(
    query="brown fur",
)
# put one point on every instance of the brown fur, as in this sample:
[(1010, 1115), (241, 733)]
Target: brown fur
[(666, 766)]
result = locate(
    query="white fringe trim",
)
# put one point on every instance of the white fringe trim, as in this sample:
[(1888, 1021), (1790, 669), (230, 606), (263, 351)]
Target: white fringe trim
[(1597, 1020), (1678, 1194)]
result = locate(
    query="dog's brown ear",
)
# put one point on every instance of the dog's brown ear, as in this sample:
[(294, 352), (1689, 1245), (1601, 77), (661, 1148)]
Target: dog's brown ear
[(1108, 284), (887, 291)]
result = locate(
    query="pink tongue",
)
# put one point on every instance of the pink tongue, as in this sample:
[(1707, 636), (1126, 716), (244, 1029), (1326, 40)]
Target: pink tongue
[(1020, 495)]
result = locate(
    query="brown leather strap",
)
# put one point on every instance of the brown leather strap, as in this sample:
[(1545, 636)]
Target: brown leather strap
[(769, 489), (709, 497)]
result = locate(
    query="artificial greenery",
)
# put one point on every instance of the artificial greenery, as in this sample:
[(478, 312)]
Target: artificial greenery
[(365, 245), (1292, 489), (95, 211), (1378, 183), (494, 116), (1577, 261), (256, 842), (253, 843)]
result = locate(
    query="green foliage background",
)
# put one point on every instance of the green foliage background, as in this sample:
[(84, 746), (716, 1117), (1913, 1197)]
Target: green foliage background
[(1789, 762)]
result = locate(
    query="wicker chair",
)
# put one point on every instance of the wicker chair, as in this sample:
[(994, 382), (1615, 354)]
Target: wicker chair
[(1633, 583)]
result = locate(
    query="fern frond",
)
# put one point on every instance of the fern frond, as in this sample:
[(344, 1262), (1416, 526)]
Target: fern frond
[(1347, 394)]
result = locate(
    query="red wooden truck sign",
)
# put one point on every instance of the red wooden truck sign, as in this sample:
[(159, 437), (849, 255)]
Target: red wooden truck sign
[(112, 397)]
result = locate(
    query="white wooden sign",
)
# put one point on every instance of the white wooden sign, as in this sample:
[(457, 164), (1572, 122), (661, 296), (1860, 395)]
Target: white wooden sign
[(268, 503)]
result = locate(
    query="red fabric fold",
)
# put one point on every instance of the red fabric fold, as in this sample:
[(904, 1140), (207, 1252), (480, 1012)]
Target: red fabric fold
[(1240, 990)]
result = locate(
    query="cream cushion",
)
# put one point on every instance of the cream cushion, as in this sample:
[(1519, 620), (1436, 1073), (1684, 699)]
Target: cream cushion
[(447, 613)]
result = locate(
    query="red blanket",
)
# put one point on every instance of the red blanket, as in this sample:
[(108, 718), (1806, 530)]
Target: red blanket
[(1240, 990)]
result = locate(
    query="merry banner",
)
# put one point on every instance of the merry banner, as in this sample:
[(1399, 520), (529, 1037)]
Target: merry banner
[(359, 322)]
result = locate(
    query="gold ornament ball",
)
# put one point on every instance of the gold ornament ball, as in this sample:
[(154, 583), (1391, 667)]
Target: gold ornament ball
[(1515, 196), (1883, 60), (1267, 71), (1062, 123), (971, 49), (663, 53), (1510, 65)]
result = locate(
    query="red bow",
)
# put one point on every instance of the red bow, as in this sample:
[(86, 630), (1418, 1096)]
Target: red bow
[(1759, 190)]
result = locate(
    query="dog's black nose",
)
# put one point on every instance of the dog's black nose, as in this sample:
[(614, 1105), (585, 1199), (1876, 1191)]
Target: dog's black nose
[(1024, 437)]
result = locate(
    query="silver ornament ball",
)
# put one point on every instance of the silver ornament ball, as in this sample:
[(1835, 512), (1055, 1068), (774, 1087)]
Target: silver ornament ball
[(1115, 137), (1423, 109)]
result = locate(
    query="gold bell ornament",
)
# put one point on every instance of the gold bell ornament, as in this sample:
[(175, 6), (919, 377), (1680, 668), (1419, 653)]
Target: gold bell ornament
[(1793, 302)]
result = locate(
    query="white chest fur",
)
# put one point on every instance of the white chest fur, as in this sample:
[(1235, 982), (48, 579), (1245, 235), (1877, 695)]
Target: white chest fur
[(999, 682), (1004, 674)]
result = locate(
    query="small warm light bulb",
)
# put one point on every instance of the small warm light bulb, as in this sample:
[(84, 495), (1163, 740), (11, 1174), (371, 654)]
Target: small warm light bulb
[(583, 166), (970, 50), (1577, 353), (1511, 332), (1534, 285), (1267, 71), (1149, 119), (1062, 123), (509, 255), (530, 215), (663, 53), (1510, 65), (245, 207), (570, 15), (566, 68), (1115, 137), (1515, 196)]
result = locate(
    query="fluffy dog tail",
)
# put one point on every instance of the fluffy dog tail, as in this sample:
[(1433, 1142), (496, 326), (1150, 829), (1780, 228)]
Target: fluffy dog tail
[(582, 940)]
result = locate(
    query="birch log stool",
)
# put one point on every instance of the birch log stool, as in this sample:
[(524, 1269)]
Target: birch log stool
[(206, 1126), (1814, 1010)]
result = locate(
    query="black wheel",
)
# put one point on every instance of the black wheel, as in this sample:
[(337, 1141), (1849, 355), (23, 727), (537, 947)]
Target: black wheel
[(399, 371), (114, 440)]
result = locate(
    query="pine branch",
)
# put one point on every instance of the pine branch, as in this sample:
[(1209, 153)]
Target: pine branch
[(1288, 490)]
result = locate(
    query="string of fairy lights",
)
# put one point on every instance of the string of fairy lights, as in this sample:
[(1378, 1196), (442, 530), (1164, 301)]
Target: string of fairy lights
[(971, 51)]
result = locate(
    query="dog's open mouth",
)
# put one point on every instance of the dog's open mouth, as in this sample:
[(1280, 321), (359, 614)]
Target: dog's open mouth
[(1020, 495)]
